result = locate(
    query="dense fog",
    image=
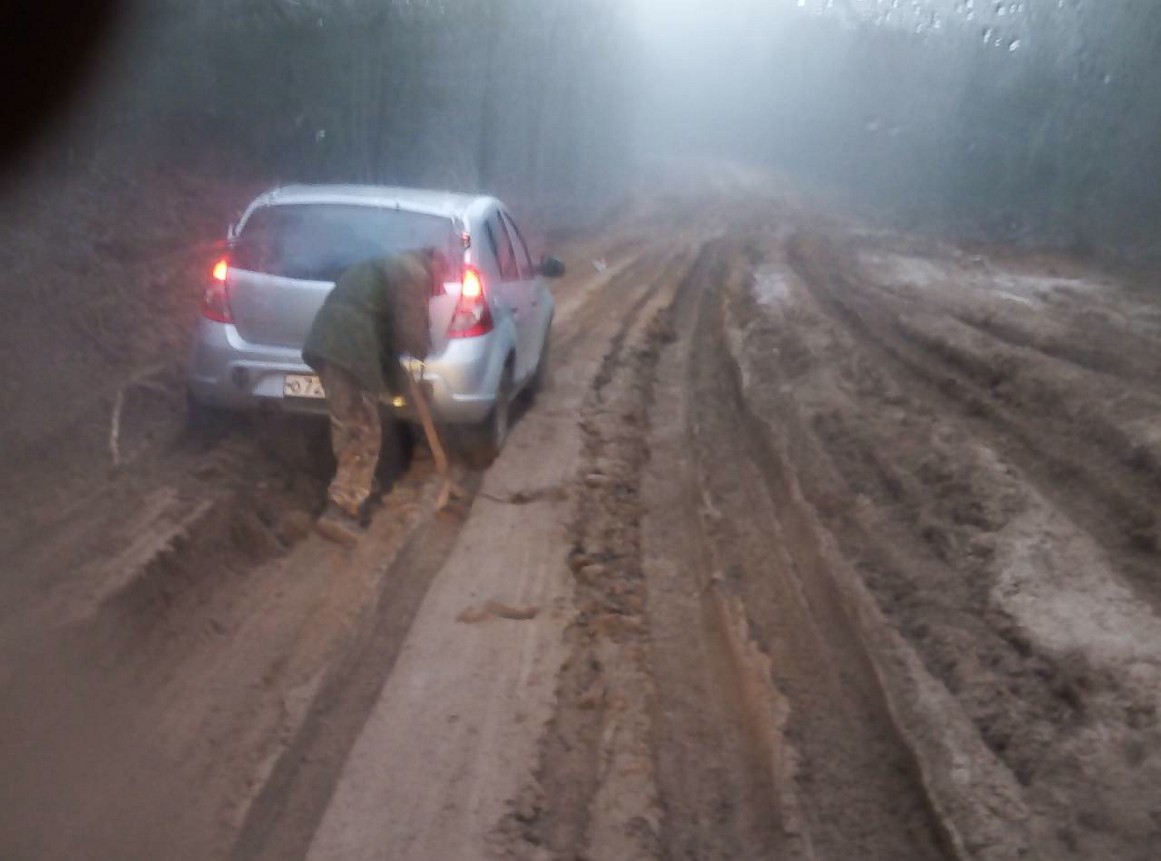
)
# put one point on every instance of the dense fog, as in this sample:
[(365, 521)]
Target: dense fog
[(1031, 120), (1035, 120), (803, 501)]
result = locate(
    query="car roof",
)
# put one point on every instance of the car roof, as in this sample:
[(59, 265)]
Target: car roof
[(430, 202)]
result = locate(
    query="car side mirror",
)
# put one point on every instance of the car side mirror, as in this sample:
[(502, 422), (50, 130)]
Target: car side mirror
[(551, 267)]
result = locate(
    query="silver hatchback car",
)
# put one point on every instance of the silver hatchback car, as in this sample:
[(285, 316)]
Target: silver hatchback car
[(490, 324)]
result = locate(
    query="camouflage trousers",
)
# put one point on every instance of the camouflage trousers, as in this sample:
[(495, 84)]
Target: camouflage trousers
[(356, 436)]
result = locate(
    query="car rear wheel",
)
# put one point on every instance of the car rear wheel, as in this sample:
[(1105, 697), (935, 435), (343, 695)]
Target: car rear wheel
[(482, 444), (542, 377), (205, 421)]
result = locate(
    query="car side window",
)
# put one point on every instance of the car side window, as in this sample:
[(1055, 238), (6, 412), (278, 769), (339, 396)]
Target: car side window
[(493, 245), (501, 245), (522, 255)]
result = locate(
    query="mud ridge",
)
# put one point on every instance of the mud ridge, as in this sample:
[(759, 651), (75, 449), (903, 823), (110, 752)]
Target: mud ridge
[(979, 811), (774, 558), (285, 814), (227, 512), (927, 500), (725, 770), (1133, 531), (599, 733)]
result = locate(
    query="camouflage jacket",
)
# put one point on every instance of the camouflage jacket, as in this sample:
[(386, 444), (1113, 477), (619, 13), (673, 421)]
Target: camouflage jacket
[(365, 323)]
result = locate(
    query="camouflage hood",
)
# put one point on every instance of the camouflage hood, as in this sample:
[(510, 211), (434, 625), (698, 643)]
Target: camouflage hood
[(377, 310)]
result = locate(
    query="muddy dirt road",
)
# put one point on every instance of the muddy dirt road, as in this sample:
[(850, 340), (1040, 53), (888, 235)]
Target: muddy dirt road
[(824, 543)]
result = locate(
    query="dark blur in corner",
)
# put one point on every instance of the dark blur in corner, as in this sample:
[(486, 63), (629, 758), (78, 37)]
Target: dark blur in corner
[(50, 46)]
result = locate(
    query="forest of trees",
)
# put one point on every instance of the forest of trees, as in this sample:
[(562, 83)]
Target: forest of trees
[(1042, 121), (1036, 119), (521, 98)]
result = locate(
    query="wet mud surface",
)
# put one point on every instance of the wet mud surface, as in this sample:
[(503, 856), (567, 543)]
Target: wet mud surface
[(823, 543)]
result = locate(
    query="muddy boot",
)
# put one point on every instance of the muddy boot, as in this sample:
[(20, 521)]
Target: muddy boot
[(339, 526)]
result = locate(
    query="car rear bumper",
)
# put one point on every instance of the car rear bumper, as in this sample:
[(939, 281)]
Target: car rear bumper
[(227, 371)]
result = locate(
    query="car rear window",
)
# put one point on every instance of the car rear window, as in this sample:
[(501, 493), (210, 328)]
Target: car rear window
[(318, 242)]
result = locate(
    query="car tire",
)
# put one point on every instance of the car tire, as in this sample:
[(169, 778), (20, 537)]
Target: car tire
[(206, 421), (483, 443), (542, 376)]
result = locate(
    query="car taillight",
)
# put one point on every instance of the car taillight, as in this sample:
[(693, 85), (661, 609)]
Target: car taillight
[(472, 316), (215, 299)]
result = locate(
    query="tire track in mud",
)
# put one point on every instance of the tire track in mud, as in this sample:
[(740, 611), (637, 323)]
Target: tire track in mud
[(133, 598), (857, 787), (723, 767), (156, 608), (174, 626), (670, 739), (911, 472), (616, 295), (1088, 469), (286, 813), (1086, 329), (593, 789), (293, 801), (721, 700)]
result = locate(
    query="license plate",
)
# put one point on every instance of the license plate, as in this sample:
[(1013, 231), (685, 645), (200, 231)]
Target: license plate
[(302, 386)]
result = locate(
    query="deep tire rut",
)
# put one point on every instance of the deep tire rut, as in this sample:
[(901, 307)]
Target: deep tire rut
[(1010, 547), (284, 817), (1076, 456), (724, 769), (858, 786), (717, 703), (593, 790)]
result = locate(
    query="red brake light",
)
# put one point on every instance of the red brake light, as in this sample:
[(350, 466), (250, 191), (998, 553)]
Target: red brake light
[(472, 316), (473, 287), (215, 298)]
